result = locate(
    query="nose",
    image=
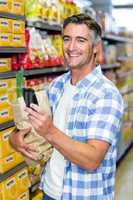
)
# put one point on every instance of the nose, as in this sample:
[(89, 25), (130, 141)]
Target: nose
[(72, 45)]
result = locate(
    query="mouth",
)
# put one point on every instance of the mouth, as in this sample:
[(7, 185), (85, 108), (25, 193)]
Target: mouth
[(72, 55)]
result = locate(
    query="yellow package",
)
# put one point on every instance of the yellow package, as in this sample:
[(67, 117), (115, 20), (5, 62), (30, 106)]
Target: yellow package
[(10, 161), (9, 188), (18, 40), (5, 25), (6, 114), (18, 26), (11, 83), (18, 158), (23, 180), (53, 13), (0, 193), (4, 85), (38, 195), (24, 196), (5, 6), (12, 95), (7, 84), (17, 7), (7, 163), (5, 39), (45, 11), (32, 10), (7, 97), (5, 64), (5, 147), (4, 101)]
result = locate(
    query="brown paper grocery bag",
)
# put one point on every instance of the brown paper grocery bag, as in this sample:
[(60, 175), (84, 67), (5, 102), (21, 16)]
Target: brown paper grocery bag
[(43, 148)]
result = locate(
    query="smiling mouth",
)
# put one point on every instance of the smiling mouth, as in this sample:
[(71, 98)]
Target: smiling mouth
[(72, 55)]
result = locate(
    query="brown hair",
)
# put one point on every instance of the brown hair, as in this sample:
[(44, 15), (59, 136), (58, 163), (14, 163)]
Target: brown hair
[(85, 19)]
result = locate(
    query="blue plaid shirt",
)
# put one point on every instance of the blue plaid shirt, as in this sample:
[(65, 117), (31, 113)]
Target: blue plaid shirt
[(95, 114)]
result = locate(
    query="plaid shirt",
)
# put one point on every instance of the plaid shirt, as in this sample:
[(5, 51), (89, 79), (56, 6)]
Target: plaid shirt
[(95, 114)]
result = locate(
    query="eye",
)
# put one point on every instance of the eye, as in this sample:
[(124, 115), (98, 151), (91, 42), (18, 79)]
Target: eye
[(81, 40), (66, 39)]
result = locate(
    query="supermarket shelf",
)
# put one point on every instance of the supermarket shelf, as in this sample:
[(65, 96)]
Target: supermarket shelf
[(124, 151), (12, 171), (115, 38), (44, 25), (126, 74), (126, 91), (110, 66), (12, 16), (9, 74), (45, 71), (32, 72), (12, 49), (6, 125), (129, 6), (124, 58)]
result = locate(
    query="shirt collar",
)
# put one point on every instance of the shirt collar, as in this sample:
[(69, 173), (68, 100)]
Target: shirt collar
[(89, 79)]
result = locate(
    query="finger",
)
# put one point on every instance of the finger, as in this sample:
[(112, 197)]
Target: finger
[(28, 154), (24, 132), (36, 108), (32, 112), (36, 123), (31, 147)]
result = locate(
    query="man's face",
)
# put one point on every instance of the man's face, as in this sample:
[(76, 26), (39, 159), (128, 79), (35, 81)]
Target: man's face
[(77, 45)]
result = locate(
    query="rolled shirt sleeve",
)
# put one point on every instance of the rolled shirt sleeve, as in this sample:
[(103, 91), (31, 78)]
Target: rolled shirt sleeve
[(104, 123)]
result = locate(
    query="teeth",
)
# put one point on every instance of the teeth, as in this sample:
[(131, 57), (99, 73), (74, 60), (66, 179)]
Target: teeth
[(73, 55)]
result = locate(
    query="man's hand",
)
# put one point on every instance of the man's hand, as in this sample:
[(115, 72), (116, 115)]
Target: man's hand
[(17, 141), (40, 120)]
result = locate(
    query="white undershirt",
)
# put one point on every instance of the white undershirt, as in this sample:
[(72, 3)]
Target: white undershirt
[(55, 167)]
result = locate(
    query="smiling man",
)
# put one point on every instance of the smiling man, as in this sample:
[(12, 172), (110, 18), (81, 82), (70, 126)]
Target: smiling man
[(85, 127)]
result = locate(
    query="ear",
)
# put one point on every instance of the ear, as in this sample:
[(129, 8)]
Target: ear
[(97, 47), (98, 50)]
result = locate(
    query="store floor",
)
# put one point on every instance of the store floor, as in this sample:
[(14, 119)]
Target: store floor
[(124, 178)]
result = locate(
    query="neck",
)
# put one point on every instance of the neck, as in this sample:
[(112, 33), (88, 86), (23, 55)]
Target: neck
[(79, 73)]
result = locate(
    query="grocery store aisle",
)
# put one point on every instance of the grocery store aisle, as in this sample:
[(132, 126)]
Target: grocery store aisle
[(124, 178)]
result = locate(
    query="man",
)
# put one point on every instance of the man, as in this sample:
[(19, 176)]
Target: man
[(86, 109)]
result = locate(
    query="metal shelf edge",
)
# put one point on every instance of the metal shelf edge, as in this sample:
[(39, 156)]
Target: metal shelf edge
[(117, 38), (110, 66), (6, 125), (12, 49), (12, 171), (9, 74), (44, 71), (44, 25), (12, 16)]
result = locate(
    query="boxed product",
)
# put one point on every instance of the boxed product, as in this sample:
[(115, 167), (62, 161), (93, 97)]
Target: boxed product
[(6, 98), (38, 195), (5, 64), (23, 180), (24, 196), (18, 40), (9, 188), (5, 39), (7, 85), (5, 6), (17, 7), (18, 26), (10, 161), (6, 114), (5, 25), (5, 147)]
